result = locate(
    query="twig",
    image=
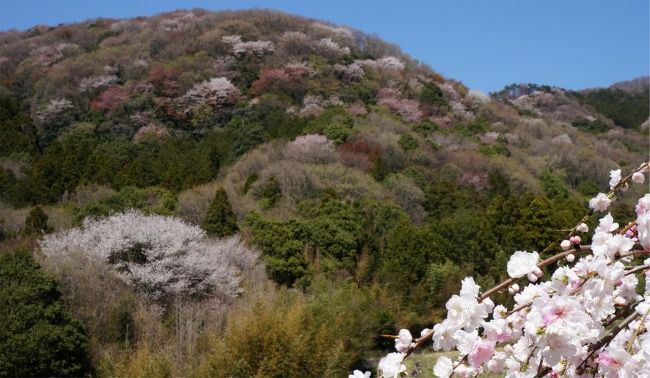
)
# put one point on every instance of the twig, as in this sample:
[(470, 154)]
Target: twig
[(638, 329)]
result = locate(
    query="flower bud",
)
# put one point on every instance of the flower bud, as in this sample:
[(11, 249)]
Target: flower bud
[(489, 303), (538, 272), (570, 257), (565, 245), (582, 227), (513, 288), (532, 277), (638, 178), (575, 240)]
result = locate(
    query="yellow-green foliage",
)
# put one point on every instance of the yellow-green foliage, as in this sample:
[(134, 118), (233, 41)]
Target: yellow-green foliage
[(287, 335), (141, 362)]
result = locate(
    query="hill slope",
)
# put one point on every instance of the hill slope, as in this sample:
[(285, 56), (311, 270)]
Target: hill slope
[(370, 183)]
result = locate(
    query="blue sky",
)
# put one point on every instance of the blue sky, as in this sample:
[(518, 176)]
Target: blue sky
[(485, 44)]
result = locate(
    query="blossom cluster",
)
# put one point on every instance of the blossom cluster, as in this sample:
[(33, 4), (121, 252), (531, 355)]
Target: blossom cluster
[(407, 108), (311, 149), (48, 55), (159, 255), (589, 318), (179, 22), (240, 48), (349, 73), (386, 63), (327, 45), (338, 31), (111, 98), (217, 92), (53, 109), (98, 81), (151, 130)]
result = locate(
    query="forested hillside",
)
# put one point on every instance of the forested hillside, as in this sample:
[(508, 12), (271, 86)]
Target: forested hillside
[(259, 194)]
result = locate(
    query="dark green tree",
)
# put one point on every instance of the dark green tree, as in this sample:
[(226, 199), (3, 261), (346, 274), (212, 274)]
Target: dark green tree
[(283, 249), (38, 337), (432, 94), (220, 220), (36, 222)]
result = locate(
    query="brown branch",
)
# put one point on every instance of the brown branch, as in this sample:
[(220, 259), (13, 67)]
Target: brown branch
[(593, 348), (635, 253), (418, 343), (638, 330), (639, 268)]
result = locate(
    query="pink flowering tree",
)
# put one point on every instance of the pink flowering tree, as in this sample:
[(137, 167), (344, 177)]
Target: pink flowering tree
[(589, 318), (286, 80), (406, 108), (111, 98)]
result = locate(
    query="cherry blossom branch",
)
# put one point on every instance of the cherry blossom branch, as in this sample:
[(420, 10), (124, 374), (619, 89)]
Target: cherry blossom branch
[(616, 184), (541, 264), (593, 348)]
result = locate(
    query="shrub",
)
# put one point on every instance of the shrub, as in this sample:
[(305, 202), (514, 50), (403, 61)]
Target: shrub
[(269, 192), (407, 195), (220, 220), (432, 94), (553, 185), (250, 180), (36, 222), (39, 338), (407, 142), (595, 126), (338, 132), (425, 128)]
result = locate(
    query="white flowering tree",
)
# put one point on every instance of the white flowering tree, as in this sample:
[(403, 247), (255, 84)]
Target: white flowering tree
[(332, 48), (216, 92), (590, 318), (99, 81), (53, 109), (241, 48), (311, 149), (158, 255)]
